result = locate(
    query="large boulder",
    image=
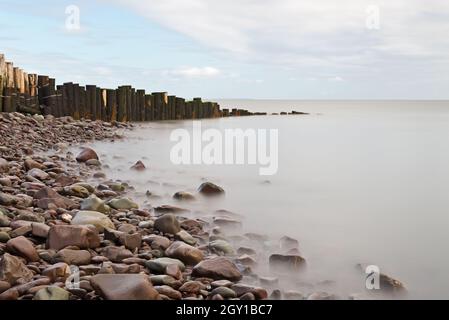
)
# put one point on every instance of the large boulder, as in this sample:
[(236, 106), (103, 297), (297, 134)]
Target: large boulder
[(167, 224), (61, 236), (12, 269), (23, 247), (218, 268), (124, 287), (86, 154), (97, 219), (184, 252)]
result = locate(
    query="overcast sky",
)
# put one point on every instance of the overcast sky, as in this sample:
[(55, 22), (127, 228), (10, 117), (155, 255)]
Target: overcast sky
[(315, 49)]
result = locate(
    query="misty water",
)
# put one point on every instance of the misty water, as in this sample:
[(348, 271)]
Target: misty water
[(357, 182)]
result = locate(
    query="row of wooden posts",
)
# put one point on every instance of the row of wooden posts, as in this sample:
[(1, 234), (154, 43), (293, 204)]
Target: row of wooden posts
[(37, 94)]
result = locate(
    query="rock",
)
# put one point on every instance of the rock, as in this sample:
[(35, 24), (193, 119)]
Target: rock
[(32, 164), (23, 247), (217, 268), (221, 246), (157, 242), (76, 191), (225, 292), (184, 252), (58, 270), (7, 199), (166, 208), (247, 296), (21, 231), (116, 254), (389, 284), (4, 285), (52, 293), (163, 279), (159, 265), (241, 289), (221, 283), (93, 163), (288, 263), (227, 223), (246, 260), (4, 237), (97, 219), (61, 236), (167, 224), (169, 292), (50, 199), (294, 295), (12, 269), (186, 237), (38, 174), (192, 287), (73, 257), (210, 189), (124, 287), (86, 154), (130, 241), (93, 203), (10, 294), (40, 230), (4, 165), (122, 204), (138, 166), (182, 195), (5, 182)]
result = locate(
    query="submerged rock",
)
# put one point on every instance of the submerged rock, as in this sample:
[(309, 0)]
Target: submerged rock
[(288, 263), (209, 189), (86, 154), (123, 204), (138, 166)]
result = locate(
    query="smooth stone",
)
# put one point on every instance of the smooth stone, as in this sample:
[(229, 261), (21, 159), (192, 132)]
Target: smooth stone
[(93, 163), (97, 219), (40, 230), (192, 287), (221, 283), (122, 204), (38, 174), (52, 293), (138, 166), (287, 243), (225, 292), (116, 254), (167, 224), (185, 196), (61, 236), (86, 154), (4, 237), (218, 268), (169, 292), (186, 237), (221, 246), (124, 287), (157, 242), (58, 270), (73, 257), (293, 295), (163, 279), (321, 296), (24, 248), (184, 252), (287, 263), (241, 288), (93, 203), (209, 189), (159, 265)]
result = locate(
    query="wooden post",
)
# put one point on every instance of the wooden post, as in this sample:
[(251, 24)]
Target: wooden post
[(160, 105), (42, 83), (171, 107), (133, 113), (32, 79), (180, 108), (9, 75), (91, 98), (50, 98), (76, 101), (148, 107), (140, 105), (112, 105), (59, 103), (98, 108), (121, 102), (104, 103)]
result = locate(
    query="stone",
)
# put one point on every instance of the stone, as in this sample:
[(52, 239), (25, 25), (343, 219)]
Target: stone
[(7, 199), (116, 254), (61, 236), (221, 246), (192, 287), (186, 237), (73, 257), (221, 283), (38, 174), (159, 265), (321, 296), (138, 166), (86, 154), (163, 279), (93, 203), (225, 292), (130, 241), (182, 195), (93, 163), (287, 243), (184, 252), (157, 242), (52, 293), (210, 189), (97, 219), (293, 295), (227, 223), (12, 269), (4, 237), (10, 294), (247, 296), (122, 204), (24, 248), (218, 268), (124, 287), (58, 270), (32, 164), (169, 292), (4, 165), (47, 198), (287, 263), (241, 288), (4, 285), (40, 230), (246, 260), (167, 224), (76, 191)]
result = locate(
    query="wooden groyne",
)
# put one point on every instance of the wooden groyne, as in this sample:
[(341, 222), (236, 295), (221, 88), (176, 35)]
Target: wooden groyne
[(39, 94)]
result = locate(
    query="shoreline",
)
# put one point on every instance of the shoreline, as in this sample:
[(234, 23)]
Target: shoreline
[(175, 257)]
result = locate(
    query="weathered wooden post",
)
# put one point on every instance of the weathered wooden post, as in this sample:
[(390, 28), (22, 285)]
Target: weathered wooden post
[(59, 101), (197, 112), (50, 98), (112, 105), (42, 84), (121, 99), (171, 107), (9, 75), (148, 107), (98, 107), (104, 105), (160, 105), (91, 98), (76, 101), (140, 97), (180, 107)]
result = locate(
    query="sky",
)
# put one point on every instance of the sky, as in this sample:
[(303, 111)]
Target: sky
[(258, 49)]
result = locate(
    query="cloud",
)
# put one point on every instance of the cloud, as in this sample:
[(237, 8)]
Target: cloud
[(194, 72)]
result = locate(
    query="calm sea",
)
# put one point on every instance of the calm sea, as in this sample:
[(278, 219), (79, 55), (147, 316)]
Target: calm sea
[(358, 182)]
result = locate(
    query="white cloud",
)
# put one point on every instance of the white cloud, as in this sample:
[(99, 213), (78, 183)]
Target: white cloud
[(194, 72)]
